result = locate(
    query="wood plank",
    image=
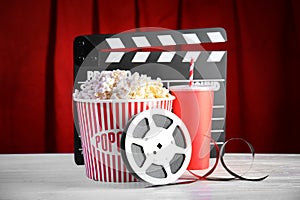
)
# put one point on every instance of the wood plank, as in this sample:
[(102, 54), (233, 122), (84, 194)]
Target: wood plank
[(56, 176)]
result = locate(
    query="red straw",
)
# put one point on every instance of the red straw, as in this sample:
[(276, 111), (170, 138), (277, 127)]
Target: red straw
[(191, 72)]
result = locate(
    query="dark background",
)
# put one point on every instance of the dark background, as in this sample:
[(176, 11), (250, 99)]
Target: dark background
[(37, 69)]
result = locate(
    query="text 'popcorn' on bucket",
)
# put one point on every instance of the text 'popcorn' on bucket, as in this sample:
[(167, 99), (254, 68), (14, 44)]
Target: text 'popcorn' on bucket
[(121, 84)]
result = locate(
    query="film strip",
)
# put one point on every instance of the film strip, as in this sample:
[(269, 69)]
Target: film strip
[(157, 54)]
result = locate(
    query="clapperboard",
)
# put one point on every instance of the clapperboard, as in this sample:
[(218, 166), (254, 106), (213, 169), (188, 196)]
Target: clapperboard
[(158, 53)]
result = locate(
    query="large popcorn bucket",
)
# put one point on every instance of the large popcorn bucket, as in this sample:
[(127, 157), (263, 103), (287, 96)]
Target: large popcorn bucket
[(101, 123)]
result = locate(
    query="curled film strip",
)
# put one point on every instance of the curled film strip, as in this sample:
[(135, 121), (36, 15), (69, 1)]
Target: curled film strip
[(156, 148)]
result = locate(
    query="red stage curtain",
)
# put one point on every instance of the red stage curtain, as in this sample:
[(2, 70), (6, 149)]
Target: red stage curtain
[(37, 68)]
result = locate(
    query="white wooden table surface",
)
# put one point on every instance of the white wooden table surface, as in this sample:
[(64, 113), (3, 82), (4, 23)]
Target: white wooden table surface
[(55, 176)]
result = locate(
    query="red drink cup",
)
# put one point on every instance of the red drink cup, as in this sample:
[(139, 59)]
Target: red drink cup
[(194, 106)]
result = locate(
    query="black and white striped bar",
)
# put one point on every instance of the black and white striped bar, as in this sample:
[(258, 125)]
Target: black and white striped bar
[(165, 57), (166, 38)]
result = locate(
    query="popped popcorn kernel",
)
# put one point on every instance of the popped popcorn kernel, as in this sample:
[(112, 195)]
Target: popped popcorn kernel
[(121, 84)]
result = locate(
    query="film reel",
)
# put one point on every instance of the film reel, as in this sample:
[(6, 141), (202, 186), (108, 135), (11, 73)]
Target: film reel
[(156, 146)]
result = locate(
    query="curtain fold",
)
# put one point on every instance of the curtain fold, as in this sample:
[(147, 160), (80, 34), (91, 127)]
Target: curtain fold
[(37, 67), (74, 18)]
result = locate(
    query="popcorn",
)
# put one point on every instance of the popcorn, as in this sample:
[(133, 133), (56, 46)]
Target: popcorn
[(120, 84)]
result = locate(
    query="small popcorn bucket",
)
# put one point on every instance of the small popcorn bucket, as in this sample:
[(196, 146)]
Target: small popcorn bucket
[(101, 124)]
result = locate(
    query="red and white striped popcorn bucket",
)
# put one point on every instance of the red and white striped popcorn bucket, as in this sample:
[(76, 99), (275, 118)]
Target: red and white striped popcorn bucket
[(101, 124)]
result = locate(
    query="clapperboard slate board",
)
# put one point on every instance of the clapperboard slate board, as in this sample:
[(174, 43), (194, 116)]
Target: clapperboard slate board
[(165, 54)]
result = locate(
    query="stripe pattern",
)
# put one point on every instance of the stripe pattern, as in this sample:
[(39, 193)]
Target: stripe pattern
[(119, 42), (165, 57), (101, 126), (191, 74), (166, 38)]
